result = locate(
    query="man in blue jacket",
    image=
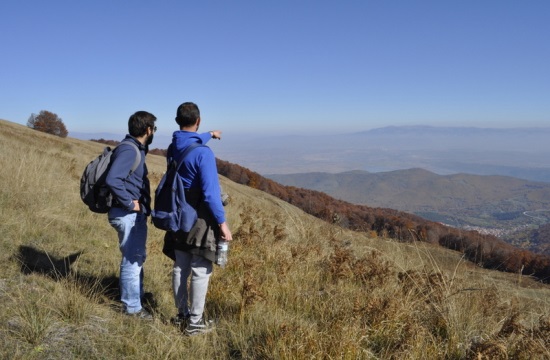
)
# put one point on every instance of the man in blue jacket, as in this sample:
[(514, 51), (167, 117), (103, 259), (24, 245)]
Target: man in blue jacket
[(131, 206), (195, 252)]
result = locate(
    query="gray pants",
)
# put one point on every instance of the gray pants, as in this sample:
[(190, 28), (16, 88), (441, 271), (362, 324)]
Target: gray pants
[(190, 302)]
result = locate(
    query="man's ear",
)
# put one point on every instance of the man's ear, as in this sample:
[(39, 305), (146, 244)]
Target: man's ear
[(198, 123)]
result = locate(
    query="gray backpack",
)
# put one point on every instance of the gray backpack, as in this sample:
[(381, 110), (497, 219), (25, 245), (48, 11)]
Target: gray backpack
[(93, 191)]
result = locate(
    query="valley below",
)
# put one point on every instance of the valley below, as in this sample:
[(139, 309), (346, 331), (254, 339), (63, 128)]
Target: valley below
[(514, 210), (520, 229)]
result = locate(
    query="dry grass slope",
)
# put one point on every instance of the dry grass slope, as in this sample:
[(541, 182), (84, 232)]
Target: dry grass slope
[(295, 288)]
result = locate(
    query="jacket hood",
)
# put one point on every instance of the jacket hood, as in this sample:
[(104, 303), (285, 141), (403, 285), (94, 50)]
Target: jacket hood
[(182, 139)]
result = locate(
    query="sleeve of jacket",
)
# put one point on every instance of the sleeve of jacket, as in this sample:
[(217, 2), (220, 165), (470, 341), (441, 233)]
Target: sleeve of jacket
[(210, 183), (122, 160), (205, 137)]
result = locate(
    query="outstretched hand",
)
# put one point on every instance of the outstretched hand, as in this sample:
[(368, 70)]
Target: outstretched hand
[(216, 134)]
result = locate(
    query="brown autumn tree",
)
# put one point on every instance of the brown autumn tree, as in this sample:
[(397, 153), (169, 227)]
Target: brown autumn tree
[(48, 122)]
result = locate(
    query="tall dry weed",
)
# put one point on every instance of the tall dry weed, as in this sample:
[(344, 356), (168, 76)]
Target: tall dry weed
[(31, 320), (75, 302)]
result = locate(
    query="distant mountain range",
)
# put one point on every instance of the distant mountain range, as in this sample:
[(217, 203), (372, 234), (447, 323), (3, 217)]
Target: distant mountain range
[(520, 152), (503, 206)]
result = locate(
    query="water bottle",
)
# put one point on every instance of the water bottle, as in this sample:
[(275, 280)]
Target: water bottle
[(221, 253)]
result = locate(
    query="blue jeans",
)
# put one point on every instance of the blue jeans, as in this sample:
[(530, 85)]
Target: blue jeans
[(132, 236)]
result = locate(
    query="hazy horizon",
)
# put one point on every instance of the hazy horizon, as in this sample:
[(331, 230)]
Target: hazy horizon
[(518, 152)]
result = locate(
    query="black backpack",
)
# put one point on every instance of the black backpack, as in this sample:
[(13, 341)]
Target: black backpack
[(172, 212), (93, 190)]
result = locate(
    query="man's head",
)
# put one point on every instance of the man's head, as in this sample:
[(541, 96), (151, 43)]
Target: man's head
[(142, 123), (187, 115)]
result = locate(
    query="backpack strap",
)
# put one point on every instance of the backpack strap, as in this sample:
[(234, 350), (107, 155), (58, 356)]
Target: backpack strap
[(138, 155), (186, 152)]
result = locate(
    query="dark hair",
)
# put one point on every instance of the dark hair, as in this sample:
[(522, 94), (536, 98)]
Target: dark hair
[(188, 113), (139, 122)]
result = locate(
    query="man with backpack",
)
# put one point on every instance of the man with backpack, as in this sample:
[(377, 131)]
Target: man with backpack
[(195, 251), (131, 206)]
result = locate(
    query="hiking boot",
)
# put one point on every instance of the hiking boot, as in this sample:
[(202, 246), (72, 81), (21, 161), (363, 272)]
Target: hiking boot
[(142, 314), (180, 320), (200, 327)]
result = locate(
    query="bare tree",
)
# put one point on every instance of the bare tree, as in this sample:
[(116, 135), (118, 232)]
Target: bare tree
[(48, 122)]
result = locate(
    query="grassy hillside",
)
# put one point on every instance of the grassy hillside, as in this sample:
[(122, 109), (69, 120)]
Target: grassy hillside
[(504, 206), (295, 288)]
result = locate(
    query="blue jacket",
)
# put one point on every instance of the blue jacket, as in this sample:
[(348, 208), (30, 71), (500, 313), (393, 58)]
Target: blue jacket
[(199, 169), (126, 188)]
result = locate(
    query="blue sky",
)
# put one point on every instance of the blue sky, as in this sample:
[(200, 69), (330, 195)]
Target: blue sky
[(278, 67)]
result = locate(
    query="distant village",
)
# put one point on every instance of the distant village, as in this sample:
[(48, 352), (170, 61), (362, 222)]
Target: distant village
[(498, 232)]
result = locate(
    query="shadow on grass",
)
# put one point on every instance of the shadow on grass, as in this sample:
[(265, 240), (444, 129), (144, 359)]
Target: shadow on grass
[(37, 261)]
